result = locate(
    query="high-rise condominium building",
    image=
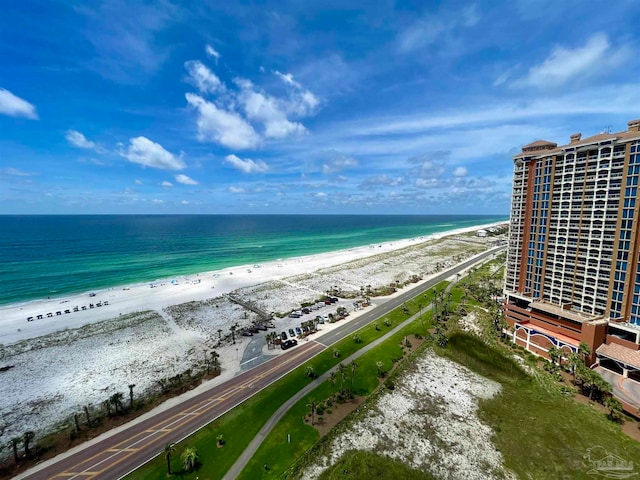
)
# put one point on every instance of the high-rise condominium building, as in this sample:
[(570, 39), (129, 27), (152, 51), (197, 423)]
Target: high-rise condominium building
[(573, 261)]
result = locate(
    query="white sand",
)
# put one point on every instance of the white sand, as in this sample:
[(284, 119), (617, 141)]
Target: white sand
[(76, 359), (429, 422)]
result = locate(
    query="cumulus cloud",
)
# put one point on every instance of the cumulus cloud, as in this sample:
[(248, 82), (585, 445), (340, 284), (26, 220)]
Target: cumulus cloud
[(143, 151), (268, 110), (288, 79), (221, 126), (185, 180), (14, 106), (77, 139), (166, 184), (212, 52), (565, 64), (246, 165), (236, 190), (460, 172), (202, 78)]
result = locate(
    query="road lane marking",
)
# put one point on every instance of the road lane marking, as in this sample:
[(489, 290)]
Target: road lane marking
[(181, 416)]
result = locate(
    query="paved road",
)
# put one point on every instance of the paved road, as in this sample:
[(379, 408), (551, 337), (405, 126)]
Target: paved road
[(121, 453), (139, 442)]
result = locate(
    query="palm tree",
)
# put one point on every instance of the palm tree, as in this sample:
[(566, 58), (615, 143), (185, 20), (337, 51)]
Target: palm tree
[(214, 360), (333, 378), (353, 365), (312, 409), (27, 437), (107, 407), (131, 385), (116, 399), (342, 369), (169, 448), (379, 365), (310, 371), (15, 441), (613, 405), (189, 459), (574, 360), (584, 351), (554, 354), (220, 334), (233, 332)]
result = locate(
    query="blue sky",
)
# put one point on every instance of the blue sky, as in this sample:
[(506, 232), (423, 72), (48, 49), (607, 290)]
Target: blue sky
[(299, 107)]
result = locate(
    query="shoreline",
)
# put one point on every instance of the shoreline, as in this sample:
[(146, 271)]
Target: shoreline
[(159, 294)]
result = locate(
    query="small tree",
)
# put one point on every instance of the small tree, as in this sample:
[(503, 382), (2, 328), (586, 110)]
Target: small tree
[(220, 440), (554, 354), (333, 379), (190, 459), (357, 338), (310, 372), (379, 365)]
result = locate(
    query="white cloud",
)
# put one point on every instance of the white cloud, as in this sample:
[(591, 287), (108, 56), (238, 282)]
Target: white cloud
[(460, 172), (16, 173), (212, 52), (202, 78), (14, 106), (185, 180), (236, 190), (77, 139), (184, 202), (247, 165), (339, 163), (166, 184), (138, 182), (565, 64), (224, 127), (288, 79), (267, 110), (150, 154)]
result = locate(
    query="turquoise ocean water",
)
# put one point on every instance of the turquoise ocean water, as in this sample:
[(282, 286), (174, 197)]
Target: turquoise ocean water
[(42, 256)]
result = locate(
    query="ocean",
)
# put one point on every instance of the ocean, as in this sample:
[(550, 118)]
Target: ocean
[(50, 256)]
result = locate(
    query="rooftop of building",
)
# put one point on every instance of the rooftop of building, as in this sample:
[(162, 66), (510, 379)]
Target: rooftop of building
[(563, 312), (544, 147), (620, 353)]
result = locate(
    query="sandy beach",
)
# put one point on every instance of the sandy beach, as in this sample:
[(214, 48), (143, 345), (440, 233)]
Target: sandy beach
[(142, 333)]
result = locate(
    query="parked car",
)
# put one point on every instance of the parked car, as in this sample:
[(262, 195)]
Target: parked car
[(295, 314), (291, 333), (298, 331), (320, 319), (246, 333), (333, 299), (306, 310), (262, 327), (283, 336), (288, 344)]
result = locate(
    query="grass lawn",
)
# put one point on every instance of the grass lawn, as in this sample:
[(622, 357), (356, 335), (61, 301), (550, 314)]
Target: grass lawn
[(541, 433), (241, 424), (358, 465)]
